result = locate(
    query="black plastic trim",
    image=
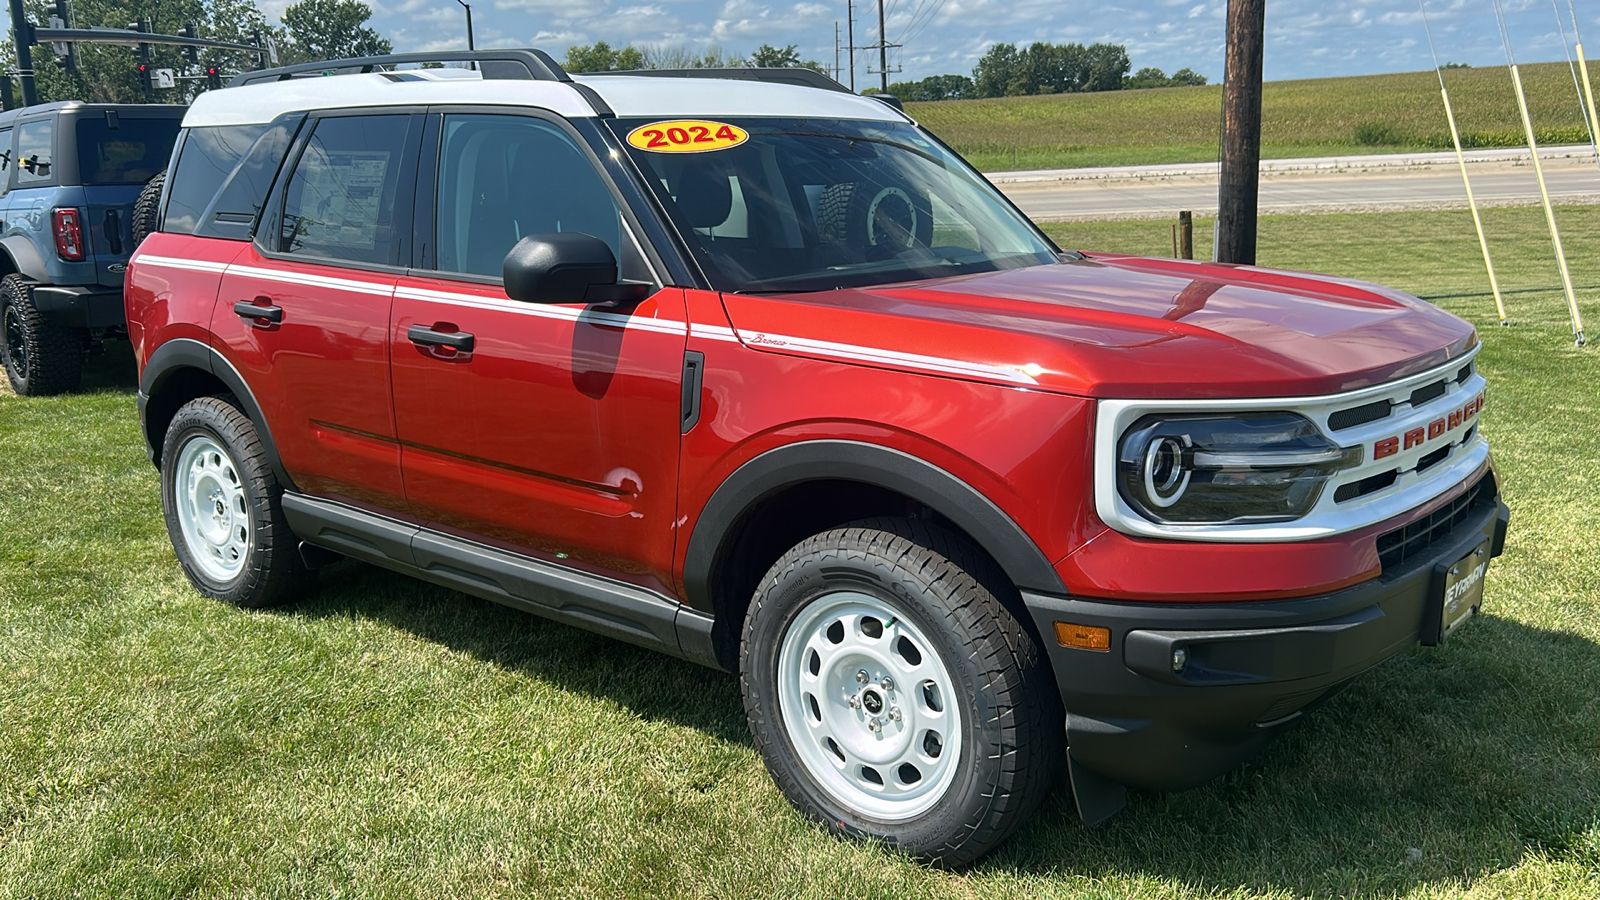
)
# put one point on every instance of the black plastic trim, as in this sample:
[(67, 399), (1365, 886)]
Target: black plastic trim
[(835, 460), (187, 353), (694, 367), (797, 76), (1247, 669), (612, 608), (80, 307)]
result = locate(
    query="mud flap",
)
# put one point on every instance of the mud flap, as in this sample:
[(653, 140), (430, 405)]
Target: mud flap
[(1098, 797)]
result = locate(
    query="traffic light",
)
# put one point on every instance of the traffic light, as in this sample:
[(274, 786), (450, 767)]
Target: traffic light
[(213, 78), (144, 79), (192, 54)]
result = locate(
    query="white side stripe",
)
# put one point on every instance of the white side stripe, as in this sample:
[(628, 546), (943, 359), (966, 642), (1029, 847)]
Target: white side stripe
[(847, 352)]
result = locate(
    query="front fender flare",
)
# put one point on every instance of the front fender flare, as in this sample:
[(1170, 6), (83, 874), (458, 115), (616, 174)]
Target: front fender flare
[(835, 460)]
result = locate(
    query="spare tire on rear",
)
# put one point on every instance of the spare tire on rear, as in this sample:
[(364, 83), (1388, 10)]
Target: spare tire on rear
[(147, 208)]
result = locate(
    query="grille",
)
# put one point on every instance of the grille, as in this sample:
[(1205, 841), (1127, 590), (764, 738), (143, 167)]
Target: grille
[(1365, 486), (1360, 415), (1401, 544), (1427, 392)]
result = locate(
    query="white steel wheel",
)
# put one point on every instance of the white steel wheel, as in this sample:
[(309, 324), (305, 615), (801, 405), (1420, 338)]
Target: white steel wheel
[(212, 509), (870, 707), (224, 509), (893, 694)]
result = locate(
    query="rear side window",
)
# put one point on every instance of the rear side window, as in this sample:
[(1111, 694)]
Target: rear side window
[(131, 153), (208, 157), (340, 203), (35, 152)]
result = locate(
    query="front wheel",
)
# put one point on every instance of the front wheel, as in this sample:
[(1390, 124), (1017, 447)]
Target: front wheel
[(223, 508), (894, 696)]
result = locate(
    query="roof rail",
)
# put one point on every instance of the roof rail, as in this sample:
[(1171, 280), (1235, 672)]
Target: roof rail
[(507, 65), (810, 78)]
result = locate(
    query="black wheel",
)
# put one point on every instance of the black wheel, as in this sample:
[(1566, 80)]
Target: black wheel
[(894, 696), (40, 357), (223, 508), (889, 219), (145, 209)]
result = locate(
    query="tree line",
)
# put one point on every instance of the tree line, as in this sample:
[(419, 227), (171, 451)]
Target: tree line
[(309, 30), (1008, 70)]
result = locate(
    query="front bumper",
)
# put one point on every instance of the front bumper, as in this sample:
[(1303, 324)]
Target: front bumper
[(80, 307), (1251, 668)]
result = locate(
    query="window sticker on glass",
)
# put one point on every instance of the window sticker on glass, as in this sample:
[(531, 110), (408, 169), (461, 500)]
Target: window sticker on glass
[(687, 136), (341, 199)]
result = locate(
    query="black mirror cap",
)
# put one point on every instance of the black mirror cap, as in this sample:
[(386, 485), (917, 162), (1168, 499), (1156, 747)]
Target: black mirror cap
[(566, 267)]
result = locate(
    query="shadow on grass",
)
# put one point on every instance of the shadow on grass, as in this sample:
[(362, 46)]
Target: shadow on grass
[(1441, 766)]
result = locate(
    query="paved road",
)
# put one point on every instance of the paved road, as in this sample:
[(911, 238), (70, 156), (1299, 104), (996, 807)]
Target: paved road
[(1162, 195)]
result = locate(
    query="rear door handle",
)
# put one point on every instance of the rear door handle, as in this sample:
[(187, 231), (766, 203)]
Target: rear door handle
[(248, 310), (423, 336)]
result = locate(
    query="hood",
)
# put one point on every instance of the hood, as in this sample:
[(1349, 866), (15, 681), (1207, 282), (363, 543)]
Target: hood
[(1119, 326)]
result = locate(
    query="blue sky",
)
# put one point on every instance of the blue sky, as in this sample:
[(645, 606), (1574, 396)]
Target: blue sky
[(1306, 38)]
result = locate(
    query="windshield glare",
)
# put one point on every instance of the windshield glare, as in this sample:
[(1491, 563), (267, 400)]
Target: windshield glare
[(814, 205)]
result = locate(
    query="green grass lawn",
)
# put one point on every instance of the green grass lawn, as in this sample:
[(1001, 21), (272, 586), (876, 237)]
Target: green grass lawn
[(1312, 117), (385, 738)]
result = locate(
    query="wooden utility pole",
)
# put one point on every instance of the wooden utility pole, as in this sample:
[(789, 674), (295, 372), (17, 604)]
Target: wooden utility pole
[(883, 53), (1241, 133), (850, 39)]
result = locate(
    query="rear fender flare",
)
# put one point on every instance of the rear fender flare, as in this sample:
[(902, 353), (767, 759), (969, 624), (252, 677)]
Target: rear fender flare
[(186, 353)]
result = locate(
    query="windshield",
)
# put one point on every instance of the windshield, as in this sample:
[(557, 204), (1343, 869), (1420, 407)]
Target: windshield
[(805, 205)]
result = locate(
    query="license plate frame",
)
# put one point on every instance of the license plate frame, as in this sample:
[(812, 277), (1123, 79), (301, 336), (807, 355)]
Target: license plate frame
[(1455, 594)]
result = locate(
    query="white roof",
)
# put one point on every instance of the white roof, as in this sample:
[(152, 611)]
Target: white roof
[(628, 96)]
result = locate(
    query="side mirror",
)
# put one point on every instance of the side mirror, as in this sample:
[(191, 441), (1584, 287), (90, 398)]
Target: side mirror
[(568, 267)]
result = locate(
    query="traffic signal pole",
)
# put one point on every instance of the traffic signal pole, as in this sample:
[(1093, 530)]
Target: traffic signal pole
[(22, 38)]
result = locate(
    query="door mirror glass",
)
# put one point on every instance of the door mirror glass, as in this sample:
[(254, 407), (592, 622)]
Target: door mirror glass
[(566, 267)]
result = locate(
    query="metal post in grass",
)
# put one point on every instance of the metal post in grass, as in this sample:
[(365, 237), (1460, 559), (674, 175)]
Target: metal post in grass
[(1538, 172), (1240, 178), (1461, 161), (1186, 234)]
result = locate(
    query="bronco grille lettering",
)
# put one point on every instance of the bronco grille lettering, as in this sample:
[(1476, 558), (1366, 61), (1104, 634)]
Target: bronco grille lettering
[(1439, 427)]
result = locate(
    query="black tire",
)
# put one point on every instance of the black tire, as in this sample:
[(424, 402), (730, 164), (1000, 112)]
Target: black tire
[(269, 570), (40, 357), (146, 209), (1012, 740)]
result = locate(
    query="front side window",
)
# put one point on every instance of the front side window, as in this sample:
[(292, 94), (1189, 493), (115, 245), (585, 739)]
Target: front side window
[(35, 152), (131, 153), (502, 178), (805, 205), (340, 202)]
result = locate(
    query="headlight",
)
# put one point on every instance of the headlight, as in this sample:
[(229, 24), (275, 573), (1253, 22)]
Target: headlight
[(1223, 470)]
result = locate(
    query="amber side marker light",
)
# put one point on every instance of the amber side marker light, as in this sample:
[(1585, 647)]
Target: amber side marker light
[(1084, 637)]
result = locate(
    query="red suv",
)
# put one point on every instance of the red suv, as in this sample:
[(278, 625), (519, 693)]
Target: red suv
[(763, 375)]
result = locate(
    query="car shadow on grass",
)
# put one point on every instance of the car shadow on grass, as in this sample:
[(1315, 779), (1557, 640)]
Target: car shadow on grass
[(1443, 765)]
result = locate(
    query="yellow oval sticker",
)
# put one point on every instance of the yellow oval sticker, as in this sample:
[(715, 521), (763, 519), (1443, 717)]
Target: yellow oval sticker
[(687, 136)]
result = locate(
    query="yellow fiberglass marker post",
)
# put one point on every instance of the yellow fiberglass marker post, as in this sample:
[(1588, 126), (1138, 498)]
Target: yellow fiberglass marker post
[(1477, 220), (1588, 96), (1549, 212), (1461, 160)]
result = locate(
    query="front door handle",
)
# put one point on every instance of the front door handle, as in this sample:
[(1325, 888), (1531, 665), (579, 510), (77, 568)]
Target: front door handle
[(251, 310), (424, 336)]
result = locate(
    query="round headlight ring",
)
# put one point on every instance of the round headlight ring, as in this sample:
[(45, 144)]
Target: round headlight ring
[(1166, 470)]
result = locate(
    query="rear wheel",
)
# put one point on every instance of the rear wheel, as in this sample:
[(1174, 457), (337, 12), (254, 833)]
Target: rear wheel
[(40, 357), (223, 508), (894, 696)]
